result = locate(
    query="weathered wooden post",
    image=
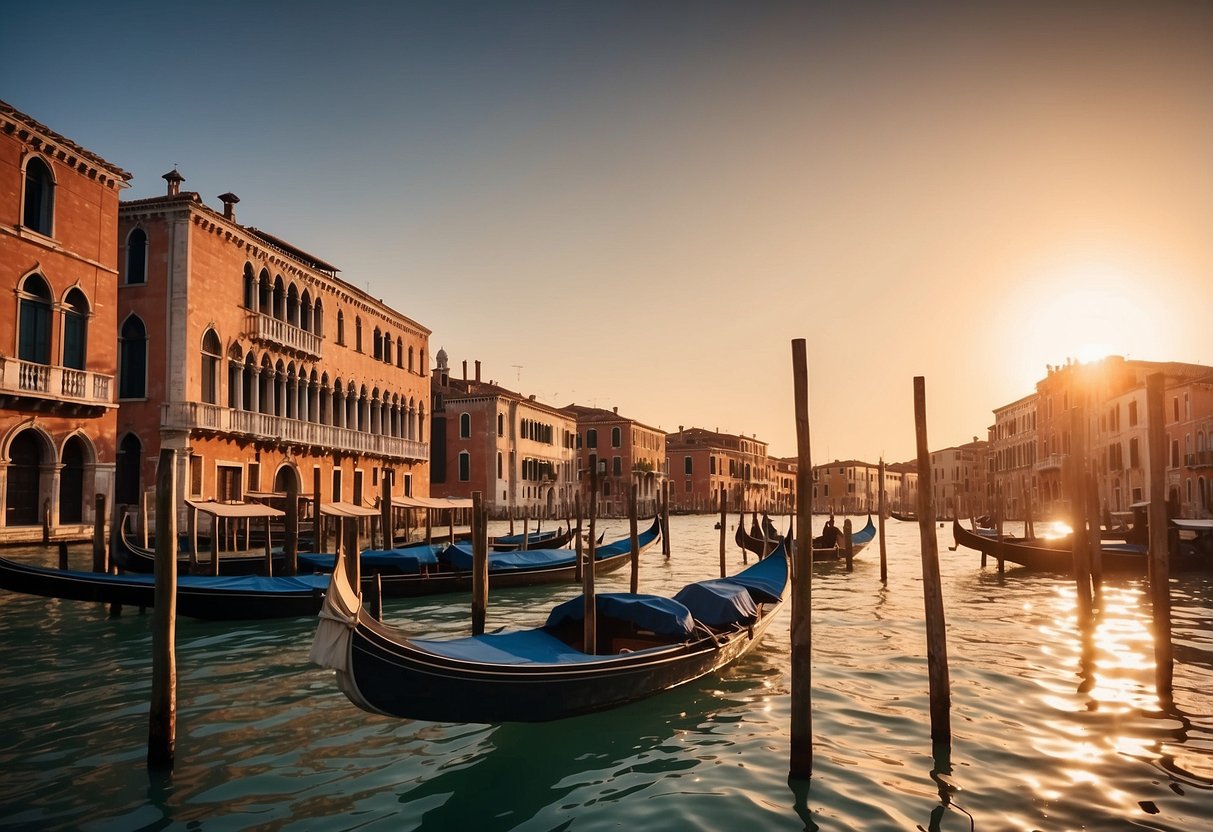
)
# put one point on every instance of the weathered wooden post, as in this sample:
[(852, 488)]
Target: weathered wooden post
[(1095, 559), (191, 515), (63, 554), (162, 722), (589, 635), (1076, 483), (214, 543), (143, 512), (526, 527), (1160, 568), (352, 545), (269, 549), (884, 509), (480, 565), (385, 507), (801, 767), (932, 590), (290, 539), (665, 518), (377, 597), (46, 522), (577, 537), (318, 541), (724, 522), (848, 543), (1029, 529), (100, 559), (634, 538)]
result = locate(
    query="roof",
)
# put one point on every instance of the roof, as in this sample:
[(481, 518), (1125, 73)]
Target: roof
[(293, 251), (340, 509), (235, 510), (14, 114), (430, 502)]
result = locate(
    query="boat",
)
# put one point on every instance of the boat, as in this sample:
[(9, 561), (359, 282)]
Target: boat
[(1046, 556), (223, 598), (645, 644), (904, 517), (859, 539), (416, 571), (556, 539), (754, 540), (133, 557)]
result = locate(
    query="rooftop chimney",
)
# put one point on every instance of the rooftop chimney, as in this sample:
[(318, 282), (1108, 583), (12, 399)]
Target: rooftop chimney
[(477, 369), (465, 369), (174, 180), (229, 200), (616, 409)]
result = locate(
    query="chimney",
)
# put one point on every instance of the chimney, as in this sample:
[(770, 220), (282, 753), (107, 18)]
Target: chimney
[(616, 409), (465, 369), (477, 369), (229, 200), (174, 180)]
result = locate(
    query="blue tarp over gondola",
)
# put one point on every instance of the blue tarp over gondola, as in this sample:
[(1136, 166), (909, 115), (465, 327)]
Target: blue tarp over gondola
[(718, 602), (459, 557), (406, 561), (664, 616)]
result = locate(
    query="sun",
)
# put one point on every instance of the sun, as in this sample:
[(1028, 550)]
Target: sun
[(1091, 352)]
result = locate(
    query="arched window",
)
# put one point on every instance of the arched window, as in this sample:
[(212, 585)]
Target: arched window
[(378, 344), (305, 311), (279, 300), (250, 285), (410, 359), (292, 306), (39, 206), (358, 333), (126, 472), (136, 256), (399, 352), (211, 352), (34, 335), (132, 359), (264, 293), (340, 328), (465, 425), (318, 318), (465, 466), (616, 438), (501, 424), (387, 348), (75, 330), (500, 465)]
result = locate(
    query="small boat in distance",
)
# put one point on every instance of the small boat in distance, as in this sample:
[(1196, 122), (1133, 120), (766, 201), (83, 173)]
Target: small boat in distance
[(644, 644)]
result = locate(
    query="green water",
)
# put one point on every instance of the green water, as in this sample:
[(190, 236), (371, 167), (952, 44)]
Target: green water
[(1043, 738)]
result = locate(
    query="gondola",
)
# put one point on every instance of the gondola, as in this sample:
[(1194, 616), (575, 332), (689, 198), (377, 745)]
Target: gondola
[(903, 517), (450, 570), (135, 558), (205, 597), (859, 539), (1120, 558), (556, 539), (644, 644), (754, 540)]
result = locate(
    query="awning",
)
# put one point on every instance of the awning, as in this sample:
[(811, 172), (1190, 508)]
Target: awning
[(1194, 525), (236, 510), (430, 502), (340, 509)]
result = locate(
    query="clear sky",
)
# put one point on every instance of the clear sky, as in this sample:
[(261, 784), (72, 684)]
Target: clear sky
[(641, 204)]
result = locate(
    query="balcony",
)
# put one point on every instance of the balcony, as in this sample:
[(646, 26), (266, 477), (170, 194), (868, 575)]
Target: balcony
[(270, 330), (265, 426), (1052, 462), (1200, 459), (84, 389)]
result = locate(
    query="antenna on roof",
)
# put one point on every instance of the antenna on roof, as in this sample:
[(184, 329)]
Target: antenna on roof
[(517, 373)]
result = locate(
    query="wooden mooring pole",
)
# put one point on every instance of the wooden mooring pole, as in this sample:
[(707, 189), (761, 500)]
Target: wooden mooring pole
[(480, 565), (634, 537), (290, 541), (1076, 483), (801, 767), (162, 722), (385, 509), (577, 541), (884, 509), (318, 540), (665, 518), (100, 555), (848, 544), (1160, 568), (724, 524), (932, 589), (589, 635)]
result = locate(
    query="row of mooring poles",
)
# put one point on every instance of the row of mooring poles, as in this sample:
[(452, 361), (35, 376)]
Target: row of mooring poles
[(1160, 573)]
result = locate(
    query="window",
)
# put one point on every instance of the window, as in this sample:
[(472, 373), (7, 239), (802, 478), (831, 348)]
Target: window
[(34, 338), (465, 466), (211, 350), (500, 465), (132, 359), (340, 328), (378, 344), (465, 425), (687, 467), (617, 465), (1134, 455), (195, 475), (501, 424), (1175, 452), (591, 438), (336, 484), (228, 488), (75, 330), (616, 438), (410, 359), (136, 258), (39, 206), (250, 281), (358, 333)]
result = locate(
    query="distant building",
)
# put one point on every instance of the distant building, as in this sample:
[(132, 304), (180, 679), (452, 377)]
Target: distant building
[(59, 259), (519, 453), (257, 365), (703, 462), (627, 452), (783, 485), (846, 487), (1012, 460), (901, 487), (958, 480)]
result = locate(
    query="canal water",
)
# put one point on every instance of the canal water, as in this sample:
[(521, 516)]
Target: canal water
[(1043, 738)]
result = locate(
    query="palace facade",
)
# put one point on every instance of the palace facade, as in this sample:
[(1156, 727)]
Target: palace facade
[(703, 462), (626, 452), (58, 256), (256, 364)]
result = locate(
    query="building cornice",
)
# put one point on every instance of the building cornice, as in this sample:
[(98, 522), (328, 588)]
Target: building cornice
[(39, 137)]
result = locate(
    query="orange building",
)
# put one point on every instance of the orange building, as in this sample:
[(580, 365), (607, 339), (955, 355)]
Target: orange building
[(630, 452), (702, 462), (58, 256), (257, 364), (516, 451)]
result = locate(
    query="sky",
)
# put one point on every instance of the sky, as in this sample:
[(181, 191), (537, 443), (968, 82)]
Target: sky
[(640, 205)]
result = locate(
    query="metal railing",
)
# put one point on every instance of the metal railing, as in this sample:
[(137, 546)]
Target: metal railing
[(263, 327), (54, 382)]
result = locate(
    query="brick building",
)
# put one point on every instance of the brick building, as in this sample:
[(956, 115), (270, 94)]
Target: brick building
[(701, 462), (631, 452), (58, 257), (518, 452), (257, 364)]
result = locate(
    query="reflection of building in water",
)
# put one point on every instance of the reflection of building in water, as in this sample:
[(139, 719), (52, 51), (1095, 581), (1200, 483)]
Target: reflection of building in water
[(58, 256)]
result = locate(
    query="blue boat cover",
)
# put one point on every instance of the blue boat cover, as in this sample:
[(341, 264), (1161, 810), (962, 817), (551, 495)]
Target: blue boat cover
[(459, 557), (407, 561), (521, 647), (664, 616), (534, 537), (718, 602), (766, 579), (241, 583)]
